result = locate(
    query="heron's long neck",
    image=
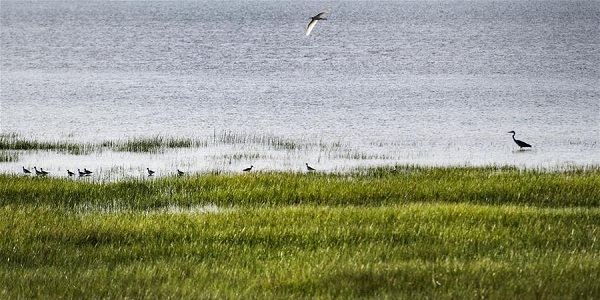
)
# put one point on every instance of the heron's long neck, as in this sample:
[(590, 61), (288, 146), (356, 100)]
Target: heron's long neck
[(514, 137)]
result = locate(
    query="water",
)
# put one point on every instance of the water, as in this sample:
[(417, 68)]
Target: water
[(436, 82)]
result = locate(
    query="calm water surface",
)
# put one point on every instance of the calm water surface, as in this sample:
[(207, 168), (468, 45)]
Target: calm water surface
[(437, 82)]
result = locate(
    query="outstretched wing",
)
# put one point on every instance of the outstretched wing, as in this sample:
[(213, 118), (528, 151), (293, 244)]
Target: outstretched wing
[(311, 25), (320, 15)]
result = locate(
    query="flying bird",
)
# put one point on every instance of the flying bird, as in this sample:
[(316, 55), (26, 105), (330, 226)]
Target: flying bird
[(314, 20), (520, 143), (248, 169), (309, 168)]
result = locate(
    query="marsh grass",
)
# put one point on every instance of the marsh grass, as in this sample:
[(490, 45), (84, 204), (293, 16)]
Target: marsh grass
[(408, 251), (6, 156), (392, 232), (363, 187), (161, 143), (14, 142), (156, 144), (273, 141)]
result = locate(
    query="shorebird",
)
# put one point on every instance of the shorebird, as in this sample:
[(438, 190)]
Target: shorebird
[(314, 20), (81, 174), (70, 173), (38, 172), (248, 169), (309, 167), (87, 172), (44, 173), (180, 173), (26, 171), (520, 143), (150, 172)]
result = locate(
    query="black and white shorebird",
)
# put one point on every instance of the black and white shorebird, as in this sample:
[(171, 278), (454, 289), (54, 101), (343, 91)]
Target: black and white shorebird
[(314, 20), (309, 168), (520, 143), (70, 173), (248, 169), (150, 172), (87, 172), (81, 173), (40, 172), (180, 173), (26, 171)]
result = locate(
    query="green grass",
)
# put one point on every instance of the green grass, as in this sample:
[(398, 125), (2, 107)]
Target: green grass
[(6, 156), (13, 141), (369, 187), (399, 232)]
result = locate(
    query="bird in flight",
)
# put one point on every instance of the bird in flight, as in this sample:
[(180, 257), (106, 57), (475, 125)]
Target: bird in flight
[(520, 143), (314, 20)]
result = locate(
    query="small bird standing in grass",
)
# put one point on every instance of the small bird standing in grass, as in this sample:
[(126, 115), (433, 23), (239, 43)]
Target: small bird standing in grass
[(150, 172), (180, 173), (309, 168), (70, 173), (26, 171), (248, 169)]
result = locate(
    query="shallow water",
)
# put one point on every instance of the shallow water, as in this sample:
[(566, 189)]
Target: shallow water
[(437, 82)]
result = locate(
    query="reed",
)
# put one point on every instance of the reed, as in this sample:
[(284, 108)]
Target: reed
[(8, 156)]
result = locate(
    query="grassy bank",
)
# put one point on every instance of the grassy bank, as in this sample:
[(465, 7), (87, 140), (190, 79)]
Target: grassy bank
[(369, 187), (402, 232)]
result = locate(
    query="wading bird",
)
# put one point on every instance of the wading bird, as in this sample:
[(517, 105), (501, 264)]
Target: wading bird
[(248, 169), (309, 167), (44, 173), (26, 171), (87, 172), (314, 20), (38, 172), (81, 174), (150, 172), (70, 173), (520, 143), (180, 173)]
